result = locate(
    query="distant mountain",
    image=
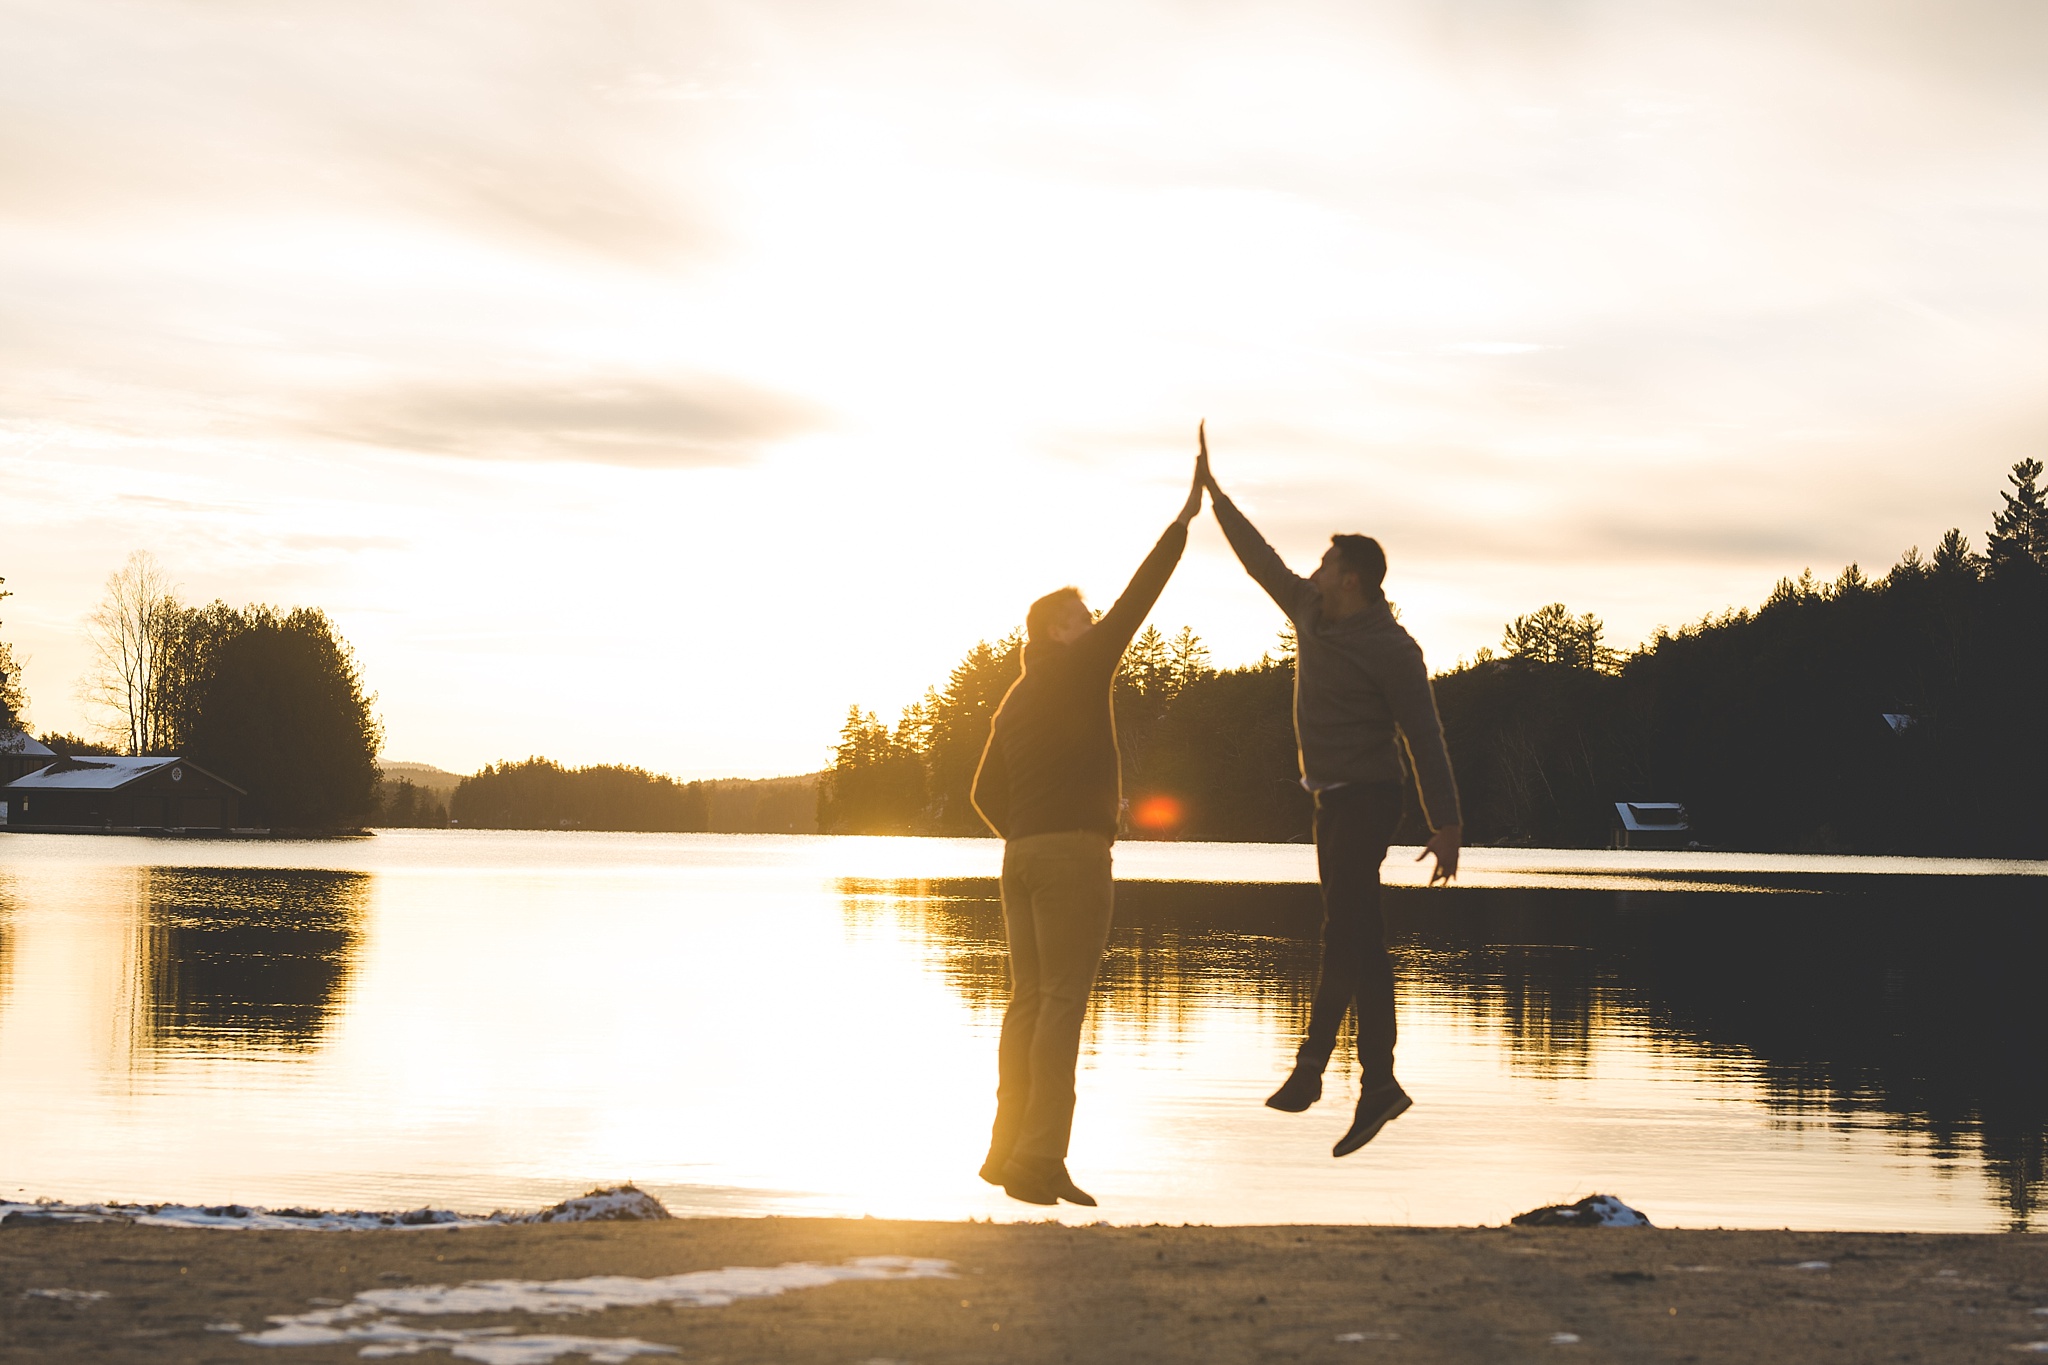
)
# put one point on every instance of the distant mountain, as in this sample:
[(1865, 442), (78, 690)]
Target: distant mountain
[(424, 775)]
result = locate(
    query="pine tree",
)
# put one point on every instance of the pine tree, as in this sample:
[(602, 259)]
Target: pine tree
[(1187, 660), (1552, 635), (2018, 543), (1953, 557), (1147, 665)]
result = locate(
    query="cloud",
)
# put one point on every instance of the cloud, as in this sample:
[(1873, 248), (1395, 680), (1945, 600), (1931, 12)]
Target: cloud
[(636, 423), (485, 121)]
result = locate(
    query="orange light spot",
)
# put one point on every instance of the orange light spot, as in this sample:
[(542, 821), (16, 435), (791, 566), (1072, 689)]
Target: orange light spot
[(1157, 813)]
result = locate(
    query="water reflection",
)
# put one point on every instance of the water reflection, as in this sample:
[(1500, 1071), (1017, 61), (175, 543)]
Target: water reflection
[(492, 1020), (1176, 947), (244, 958), (1908, 1004)]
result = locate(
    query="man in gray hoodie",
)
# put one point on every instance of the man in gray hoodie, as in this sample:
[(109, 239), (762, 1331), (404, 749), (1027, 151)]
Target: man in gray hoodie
[(1364, 721)]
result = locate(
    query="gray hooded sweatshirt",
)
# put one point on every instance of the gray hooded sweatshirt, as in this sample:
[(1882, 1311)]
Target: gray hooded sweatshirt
[(1362, 699)]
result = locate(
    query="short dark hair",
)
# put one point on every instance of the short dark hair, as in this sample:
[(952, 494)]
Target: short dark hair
[(1046, 611), (1363, 556)]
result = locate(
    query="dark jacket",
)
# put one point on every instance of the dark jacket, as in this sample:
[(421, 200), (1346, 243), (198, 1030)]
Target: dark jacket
[(1362, 699), (1051, 764)]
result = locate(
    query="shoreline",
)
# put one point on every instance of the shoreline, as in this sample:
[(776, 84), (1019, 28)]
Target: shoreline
[(1041, 1291)]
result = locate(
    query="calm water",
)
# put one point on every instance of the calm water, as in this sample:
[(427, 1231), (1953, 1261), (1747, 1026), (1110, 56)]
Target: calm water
[(781, 1025)]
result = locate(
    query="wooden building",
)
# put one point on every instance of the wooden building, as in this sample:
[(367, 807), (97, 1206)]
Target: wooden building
[(21, 754), (106, 795)]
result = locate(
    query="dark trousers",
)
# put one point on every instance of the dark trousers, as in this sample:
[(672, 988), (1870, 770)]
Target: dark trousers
[(1057, 899), (1354, 825)]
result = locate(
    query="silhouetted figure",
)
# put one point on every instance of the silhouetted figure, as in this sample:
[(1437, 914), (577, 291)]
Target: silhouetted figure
[(1362, 702), (1050, 784)]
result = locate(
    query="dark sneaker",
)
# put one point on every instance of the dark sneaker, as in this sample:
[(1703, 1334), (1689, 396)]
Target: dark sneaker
[(1042, 1180), (1376, 1109), (1302, 1088)]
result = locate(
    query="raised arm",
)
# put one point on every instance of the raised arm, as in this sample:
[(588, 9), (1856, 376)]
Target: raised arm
[(1260, 560), (1107, 638)]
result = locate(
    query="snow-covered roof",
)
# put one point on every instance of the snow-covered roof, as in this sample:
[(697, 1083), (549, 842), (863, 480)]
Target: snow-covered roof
[(97, 773), (24, 745)]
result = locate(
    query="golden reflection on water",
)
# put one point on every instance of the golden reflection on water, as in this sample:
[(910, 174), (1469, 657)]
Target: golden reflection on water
[(484, 1021)]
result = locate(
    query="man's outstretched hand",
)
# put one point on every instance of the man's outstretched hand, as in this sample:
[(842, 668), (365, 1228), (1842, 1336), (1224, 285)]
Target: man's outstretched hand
[(1202, 474), (1193, 508), (1444, 844)]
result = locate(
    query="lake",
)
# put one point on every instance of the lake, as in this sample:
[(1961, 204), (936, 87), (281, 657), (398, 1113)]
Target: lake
[(782, 1025)]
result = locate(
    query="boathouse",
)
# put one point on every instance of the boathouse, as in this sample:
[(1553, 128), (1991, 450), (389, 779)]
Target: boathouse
[(21, 754), (108, 795)]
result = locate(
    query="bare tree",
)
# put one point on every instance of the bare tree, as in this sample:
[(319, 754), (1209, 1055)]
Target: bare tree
[(133, 632), (13, 701)]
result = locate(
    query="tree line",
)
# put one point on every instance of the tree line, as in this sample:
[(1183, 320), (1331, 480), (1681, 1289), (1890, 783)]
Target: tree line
[(270, 699), (1888, 714), (536, 793), (1207, 753)]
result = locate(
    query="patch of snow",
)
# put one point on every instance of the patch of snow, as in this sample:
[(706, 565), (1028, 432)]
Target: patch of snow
[(1814, 1265), (620, 1204), (65, 1295), (1368, 1336), (225, 1327), (1594, 1211), (613, 1204), (2039, 1346), (384, 1335), (489, 1345), (1564, 1338)]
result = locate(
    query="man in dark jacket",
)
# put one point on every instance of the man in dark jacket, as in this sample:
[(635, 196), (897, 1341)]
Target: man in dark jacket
[(1050, 784), (1363, 716)]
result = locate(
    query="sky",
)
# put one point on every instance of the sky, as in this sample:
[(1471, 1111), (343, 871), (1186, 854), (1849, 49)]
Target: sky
[(648, 381)]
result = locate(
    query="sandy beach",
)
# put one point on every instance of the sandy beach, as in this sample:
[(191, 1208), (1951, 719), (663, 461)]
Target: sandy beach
[(1044, 1292)]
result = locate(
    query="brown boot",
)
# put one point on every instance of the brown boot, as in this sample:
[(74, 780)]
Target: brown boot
[(1042, 1180)]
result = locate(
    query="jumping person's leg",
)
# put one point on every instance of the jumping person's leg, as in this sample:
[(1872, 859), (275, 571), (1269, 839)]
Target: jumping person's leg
[(1353, 826), (1069, 883), (1074, 897), (1020, 1020), (1350, 846)]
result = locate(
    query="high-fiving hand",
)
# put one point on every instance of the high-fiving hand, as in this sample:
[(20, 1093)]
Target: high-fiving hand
[(1193, 508)]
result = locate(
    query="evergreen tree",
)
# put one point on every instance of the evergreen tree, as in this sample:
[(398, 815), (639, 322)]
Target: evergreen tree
[(959, 732), (402, 804), (2018, 543), (876, 784), (1953, 557), (1147, 665), (1187, 660), (1552, 635), (280, 711)]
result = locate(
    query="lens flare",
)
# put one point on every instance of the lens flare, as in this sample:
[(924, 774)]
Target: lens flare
[(1157, 814)]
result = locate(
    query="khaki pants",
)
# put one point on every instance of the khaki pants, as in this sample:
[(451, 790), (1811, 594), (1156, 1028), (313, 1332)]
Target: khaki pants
[(1057, 897)]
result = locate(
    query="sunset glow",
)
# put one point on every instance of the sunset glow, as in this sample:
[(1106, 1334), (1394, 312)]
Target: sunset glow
[(649, 383)]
